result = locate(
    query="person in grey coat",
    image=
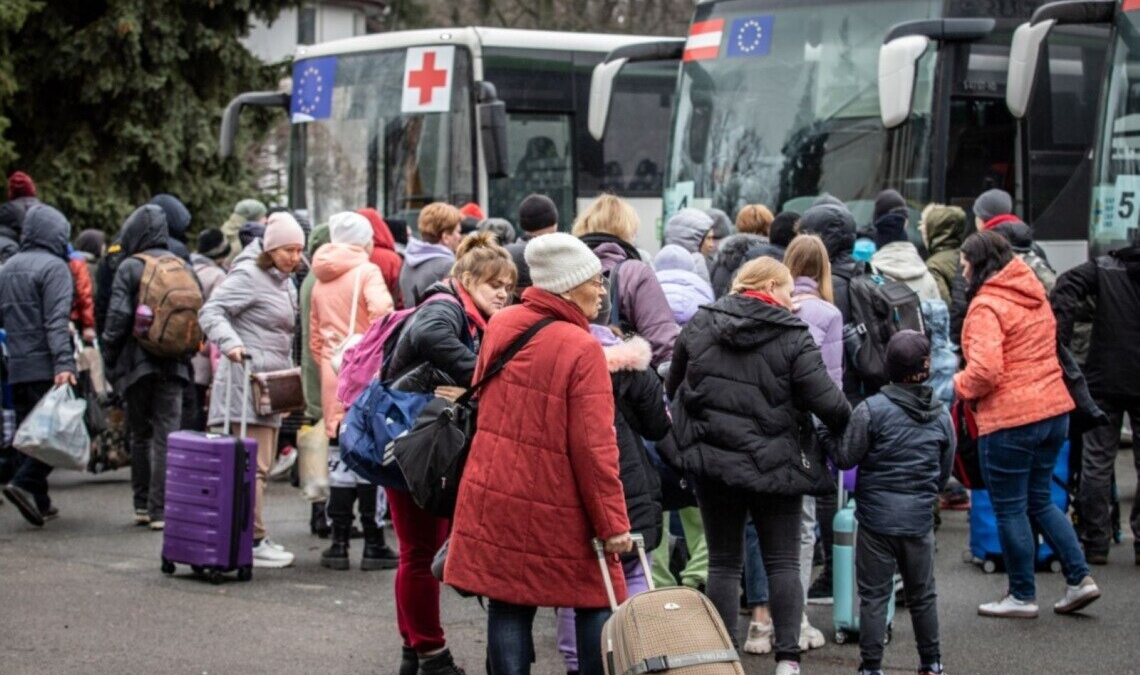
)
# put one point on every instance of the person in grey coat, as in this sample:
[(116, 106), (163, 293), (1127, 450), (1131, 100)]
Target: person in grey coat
[(429, 259), (688, 228), (150, 384), (35, 305), (251, 315)]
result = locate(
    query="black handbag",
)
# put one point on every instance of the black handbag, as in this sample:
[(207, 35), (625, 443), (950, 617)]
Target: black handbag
[(433, 453)]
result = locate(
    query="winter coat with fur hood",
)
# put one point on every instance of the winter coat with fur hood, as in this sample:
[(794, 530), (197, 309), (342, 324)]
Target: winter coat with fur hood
[(542, 478)]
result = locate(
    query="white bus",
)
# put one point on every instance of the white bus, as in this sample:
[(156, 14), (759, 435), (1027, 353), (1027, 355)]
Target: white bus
[(398, 120)]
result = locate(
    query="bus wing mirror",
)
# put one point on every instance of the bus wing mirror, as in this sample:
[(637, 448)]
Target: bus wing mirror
[(897, 69), (601, 93), (699, 125), (493, 131), (260, 99)]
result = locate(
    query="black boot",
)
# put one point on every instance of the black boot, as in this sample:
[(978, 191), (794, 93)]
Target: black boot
[(410, 662), (377, 555), (319, 522), (335, 557), (439, 664)]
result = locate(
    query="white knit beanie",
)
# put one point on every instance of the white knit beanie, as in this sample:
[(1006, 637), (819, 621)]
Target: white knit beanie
[(352, 228), (282, 229), (559, 262)]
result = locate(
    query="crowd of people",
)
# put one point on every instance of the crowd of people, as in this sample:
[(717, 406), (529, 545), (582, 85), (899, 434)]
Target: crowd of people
[(706, 398)]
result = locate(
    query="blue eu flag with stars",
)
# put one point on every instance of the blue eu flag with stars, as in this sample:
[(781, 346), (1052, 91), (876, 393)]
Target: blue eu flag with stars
[(750, 36), (313, 81)]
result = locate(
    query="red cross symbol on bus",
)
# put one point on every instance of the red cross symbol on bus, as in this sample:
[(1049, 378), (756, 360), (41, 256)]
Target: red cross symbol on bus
[(427, 78)]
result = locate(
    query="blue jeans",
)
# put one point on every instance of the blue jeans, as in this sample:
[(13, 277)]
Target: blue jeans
[(1017, 465), (755, 576), (510, 638)]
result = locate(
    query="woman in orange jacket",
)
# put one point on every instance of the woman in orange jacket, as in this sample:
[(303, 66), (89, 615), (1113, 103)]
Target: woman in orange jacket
[(1013, 381)]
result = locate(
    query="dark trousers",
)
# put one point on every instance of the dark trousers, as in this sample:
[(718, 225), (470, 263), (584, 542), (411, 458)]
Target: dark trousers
[(1097, 464), (777, 519), (876, 558), (154, 410), (510, 638), (17, 468), (339, 507)]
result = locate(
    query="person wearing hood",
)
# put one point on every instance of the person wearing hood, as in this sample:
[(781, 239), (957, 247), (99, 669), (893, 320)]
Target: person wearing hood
[(384, 254), (245, 211), (890, 201), (896, 257), (177, 221), (836, 226), (639, 413), (748, 357), (903, 443), (1015, 383), (151, 385), (689, 228), (92, 244), (609, 227), (251, 315), (1111, 283), (504, 232), (943, 228), (11, 223), (684, 290), (35, 302), (538, 215), (349, 295), (751, 241), (428, 259), (722, 228)]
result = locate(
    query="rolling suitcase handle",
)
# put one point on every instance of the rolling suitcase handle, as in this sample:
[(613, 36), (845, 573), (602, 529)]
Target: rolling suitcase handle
[(247, 362), (600, 550)]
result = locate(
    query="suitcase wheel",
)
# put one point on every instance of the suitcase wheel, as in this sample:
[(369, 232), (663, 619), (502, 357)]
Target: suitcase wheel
[(1055, 566), (840, 637), (167, 566), (214, 577), (989, 566), (245, 573)]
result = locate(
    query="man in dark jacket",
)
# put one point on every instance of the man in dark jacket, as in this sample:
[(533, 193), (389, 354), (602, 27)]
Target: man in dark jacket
[(151, 385), (538, 215), (903, 443), (11, 224), (1112, 282), (177, 223), (35, 306)]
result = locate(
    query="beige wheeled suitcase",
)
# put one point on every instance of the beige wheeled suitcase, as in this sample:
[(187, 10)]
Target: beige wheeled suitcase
[(674, 629)]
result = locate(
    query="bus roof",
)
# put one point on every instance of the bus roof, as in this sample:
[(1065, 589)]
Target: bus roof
[(474, 38)]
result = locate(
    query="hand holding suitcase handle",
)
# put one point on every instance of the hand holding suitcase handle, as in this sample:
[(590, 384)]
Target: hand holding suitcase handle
[(601, 548), (247, 361)]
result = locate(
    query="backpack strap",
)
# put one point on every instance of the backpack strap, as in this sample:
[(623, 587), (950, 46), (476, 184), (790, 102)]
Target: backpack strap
[(501, 362), (615, 295)]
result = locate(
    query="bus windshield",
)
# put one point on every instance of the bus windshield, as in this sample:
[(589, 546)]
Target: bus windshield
[(359, 149), (786, 107), (1116, 165)]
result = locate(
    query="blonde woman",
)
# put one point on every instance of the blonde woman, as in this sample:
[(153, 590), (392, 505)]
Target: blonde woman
[(745, 380), (609, 228)]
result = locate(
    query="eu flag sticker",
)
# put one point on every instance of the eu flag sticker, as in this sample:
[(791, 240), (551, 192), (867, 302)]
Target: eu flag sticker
[(750, 36), (313, 81)]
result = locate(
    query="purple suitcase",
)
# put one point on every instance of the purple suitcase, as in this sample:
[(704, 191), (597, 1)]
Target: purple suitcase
[(209, 500)]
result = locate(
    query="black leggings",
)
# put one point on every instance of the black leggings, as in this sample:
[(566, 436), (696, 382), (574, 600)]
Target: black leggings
[(340, 505)]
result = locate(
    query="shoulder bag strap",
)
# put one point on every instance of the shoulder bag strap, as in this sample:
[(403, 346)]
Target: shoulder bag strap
[(501, 362), (615, 297), (356, 284)]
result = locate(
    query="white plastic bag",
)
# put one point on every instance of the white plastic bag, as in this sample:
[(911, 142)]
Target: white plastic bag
[(313, 462), (54, 432)]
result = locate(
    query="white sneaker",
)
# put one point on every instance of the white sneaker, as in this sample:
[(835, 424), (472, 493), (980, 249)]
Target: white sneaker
[(266, 555), (759, 638), (272, 544), (1077, 597), (1009, 607), (810, 636), (285, 461), (787, 668)]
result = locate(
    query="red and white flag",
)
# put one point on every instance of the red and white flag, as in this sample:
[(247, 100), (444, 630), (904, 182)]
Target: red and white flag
[(704, 40), (427, 79)]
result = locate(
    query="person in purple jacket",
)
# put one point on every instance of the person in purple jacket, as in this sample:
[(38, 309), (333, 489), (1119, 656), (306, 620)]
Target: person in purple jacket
[(609, 228), (684, 289), (808, 262)]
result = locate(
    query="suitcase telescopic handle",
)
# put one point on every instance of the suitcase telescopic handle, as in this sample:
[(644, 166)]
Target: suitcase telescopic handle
[(600, 551), (247, 362)]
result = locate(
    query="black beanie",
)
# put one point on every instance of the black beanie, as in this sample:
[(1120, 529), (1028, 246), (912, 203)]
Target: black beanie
[(888, 201), (399, 229), (908, 357), (889, 228), (782, 230), (537, 212), (213, 244)]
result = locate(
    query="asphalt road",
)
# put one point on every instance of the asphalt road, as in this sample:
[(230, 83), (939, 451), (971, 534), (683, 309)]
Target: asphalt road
[(85, 595)]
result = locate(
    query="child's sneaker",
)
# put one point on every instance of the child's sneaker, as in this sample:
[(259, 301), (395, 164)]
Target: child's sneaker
[(1077, 597), (932, 669), (285, 461), (1009, 607), (759, 638), (810, 636), (788, 668)]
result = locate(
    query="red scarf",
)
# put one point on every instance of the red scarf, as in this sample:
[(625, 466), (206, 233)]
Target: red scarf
[(998, 220), (763, 297), (475, 320)]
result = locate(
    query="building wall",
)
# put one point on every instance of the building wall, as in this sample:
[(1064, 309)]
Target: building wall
[(277, 41)]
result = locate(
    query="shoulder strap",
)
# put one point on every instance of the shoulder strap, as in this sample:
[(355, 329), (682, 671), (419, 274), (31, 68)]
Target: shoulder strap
[(501, 362), (615, 296), (356, 284)]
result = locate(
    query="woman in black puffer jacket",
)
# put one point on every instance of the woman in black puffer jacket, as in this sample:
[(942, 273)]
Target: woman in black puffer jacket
[(745, 380)]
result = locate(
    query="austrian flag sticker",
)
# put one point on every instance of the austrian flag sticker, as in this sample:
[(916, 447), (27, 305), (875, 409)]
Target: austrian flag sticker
[(704, 40), (427, 79)]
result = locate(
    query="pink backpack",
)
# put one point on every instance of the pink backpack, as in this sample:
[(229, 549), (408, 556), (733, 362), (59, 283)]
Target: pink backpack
[(362, 362)]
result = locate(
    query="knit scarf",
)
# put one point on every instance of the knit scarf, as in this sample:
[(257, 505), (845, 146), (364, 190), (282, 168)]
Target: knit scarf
[(763, 297)]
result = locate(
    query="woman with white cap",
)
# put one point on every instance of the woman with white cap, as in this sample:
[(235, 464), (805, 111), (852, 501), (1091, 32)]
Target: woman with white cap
[(251, 314), (542, 478), (349, 295)]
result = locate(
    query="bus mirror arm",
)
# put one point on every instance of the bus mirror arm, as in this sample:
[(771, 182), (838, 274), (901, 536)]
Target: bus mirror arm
[(261, 99), (493, 131)]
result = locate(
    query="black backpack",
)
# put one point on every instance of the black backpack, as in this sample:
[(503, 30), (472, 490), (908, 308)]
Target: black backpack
[(880, 308)]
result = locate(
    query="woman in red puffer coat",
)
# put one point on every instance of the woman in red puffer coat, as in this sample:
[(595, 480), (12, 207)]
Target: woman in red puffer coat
[(542, 478)]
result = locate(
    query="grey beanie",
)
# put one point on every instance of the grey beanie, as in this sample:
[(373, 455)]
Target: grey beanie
[(993, 203), (687, 228), (559, 262), (502, 229)]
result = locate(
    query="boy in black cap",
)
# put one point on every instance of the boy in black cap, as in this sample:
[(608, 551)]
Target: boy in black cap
[(902, 441)]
